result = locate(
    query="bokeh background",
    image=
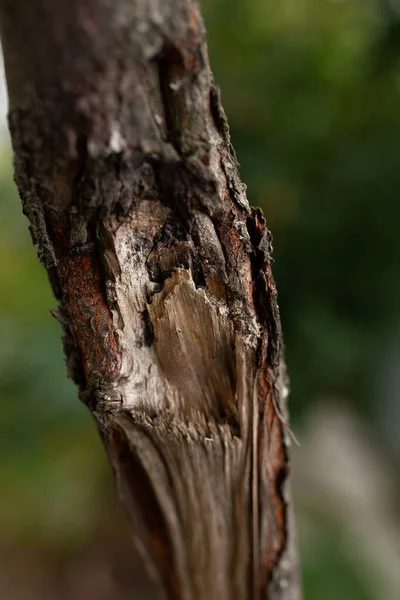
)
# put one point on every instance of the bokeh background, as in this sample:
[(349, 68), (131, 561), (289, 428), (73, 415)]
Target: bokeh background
[(312, 92)]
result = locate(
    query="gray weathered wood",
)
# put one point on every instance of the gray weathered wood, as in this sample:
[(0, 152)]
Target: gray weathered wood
[(163, 273)]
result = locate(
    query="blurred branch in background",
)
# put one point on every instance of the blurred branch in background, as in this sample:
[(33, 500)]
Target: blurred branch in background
[(313, 104), (347, 492)]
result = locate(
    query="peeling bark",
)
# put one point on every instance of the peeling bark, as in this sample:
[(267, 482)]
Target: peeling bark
[(171, 325)]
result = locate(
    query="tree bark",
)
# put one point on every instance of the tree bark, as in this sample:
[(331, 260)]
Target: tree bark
[(171, 326)]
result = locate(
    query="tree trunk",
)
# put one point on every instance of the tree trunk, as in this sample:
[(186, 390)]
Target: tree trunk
[(163, 273)]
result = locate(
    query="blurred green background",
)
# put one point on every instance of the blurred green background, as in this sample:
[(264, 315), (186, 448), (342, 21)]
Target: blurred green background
[(312, 92)]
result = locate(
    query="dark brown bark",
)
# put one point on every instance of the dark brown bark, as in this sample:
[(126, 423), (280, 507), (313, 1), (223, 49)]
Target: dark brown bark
[(163, 273)]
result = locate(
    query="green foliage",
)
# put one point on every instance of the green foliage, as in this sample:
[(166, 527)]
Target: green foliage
[(329, 570)]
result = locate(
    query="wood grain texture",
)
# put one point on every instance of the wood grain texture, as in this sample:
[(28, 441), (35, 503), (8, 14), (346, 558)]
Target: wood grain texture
[(163, 273)]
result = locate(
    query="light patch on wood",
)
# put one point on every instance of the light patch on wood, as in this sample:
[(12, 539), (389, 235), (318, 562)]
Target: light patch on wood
[(140, 381)]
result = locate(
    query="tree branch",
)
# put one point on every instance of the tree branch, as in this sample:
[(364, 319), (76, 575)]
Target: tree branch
[(163, 273)]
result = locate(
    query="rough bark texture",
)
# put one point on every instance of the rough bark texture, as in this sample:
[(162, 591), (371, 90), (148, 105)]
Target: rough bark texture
[(163, 273)]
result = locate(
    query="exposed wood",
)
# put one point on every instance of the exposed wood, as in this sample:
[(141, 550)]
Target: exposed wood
[(163, 273)]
